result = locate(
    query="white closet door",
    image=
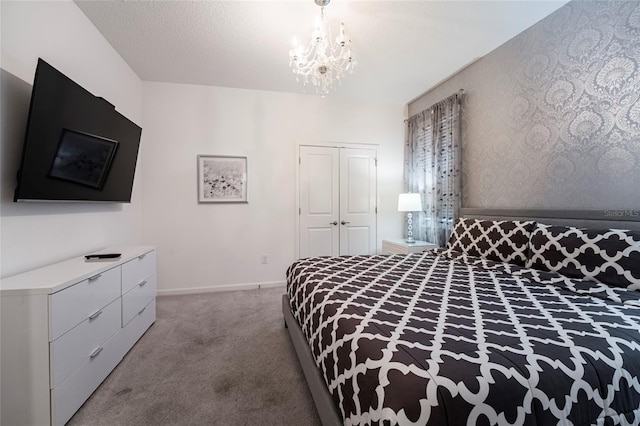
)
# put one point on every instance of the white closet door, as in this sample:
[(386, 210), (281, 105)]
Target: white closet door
[(357, 201), (337, 201), (319, 201)]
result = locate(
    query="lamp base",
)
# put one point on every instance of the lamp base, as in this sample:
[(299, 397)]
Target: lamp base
[(409, 239)]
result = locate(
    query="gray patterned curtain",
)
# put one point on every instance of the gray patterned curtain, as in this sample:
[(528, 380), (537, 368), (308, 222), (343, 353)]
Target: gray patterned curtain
[(432, 168)]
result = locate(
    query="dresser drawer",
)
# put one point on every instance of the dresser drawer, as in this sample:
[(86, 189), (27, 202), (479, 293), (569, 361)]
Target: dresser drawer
[(137, 298), (71, 306), (142, 320), (137, 270), (69, 395), (71, 349)]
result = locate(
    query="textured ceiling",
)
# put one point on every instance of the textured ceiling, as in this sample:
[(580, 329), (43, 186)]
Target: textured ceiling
[(402, 47)]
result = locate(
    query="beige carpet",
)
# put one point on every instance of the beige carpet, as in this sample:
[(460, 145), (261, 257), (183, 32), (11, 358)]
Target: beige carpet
[(210, 359)]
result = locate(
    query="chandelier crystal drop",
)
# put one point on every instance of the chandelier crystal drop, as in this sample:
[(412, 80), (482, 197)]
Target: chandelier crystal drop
[(323, 61)]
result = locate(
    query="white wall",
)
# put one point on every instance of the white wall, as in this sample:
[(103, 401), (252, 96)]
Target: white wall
[(215, 246), (200, 246), (35, 234)]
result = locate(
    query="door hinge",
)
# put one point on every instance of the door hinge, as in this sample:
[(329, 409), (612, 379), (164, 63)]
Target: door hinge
[(376, 209), (299, 211), (375, 160), (299, 160)]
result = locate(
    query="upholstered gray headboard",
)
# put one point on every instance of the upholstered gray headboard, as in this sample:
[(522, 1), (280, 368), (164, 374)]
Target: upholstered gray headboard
[(596, 219)]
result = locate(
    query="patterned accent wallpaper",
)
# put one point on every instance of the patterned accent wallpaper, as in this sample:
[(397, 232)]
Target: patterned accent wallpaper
[(551, 119)]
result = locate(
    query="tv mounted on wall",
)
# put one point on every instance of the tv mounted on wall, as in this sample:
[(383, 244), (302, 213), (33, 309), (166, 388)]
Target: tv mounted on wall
[(77, 147)]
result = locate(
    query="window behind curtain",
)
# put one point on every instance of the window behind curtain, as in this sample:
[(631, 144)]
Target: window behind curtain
[(432, 168)]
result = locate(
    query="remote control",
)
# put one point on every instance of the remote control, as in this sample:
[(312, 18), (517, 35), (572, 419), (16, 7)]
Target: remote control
[(102, 256)]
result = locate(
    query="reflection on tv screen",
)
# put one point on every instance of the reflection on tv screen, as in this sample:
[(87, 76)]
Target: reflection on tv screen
[(83, 159)]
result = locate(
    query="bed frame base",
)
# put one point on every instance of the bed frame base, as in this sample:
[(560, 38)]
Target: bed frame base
[(327, 410)]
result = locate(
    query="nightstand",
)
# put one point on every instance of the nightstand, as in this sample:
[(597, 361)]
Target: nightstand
[(403, 247)]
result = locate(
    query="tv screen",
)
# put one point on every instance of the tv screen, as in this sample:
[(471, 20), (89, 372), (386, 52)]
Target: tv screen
[(77, 146), (83, 159)]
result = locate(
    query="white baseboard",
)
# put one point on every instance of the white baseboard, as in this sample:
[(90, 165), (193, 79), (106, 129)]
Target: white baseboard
[(228, 287)]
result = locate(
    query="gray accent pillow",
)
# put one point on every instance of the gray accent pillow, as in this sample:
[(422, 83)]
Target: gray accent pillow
[(609, 256), (502, 240)]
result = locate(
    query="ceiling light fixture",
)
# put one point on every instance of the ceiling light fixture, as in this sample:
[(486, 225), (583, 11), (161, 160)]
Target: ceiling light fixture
[(323, 61)]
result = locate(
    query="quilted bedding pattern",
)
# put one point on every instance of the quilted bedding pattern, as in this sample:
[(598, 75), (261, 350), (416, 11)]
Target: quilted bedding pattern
[(449, 339)]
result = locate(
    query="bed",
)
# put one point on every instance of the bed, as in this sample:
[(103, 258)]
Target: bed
[(525, 319)]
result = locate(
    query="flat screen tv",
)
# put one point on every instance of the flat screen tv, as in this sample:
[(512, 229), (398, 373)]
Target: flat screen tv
[(77, 147)]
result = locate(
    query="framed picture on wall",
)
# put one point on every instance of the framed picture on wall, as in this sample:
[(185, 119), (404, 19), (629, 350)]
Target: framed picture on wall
[(222, 179)]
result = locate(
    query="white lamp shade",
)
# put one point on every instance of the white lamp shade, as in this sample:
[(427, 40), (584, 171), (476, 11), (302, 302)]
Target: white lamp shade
[(409, 203)]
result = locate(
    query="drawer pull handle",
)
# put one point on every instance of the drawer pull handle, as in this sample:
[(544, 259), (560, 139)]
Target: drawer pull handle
[(96, 352), (142, 256), (142, 310), (95, 315), (95, 277), (142, 283)]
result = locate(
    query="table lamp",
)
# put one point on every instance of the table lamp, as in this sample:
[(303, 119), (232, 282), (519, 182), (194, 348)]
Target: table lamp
[(409, 203)]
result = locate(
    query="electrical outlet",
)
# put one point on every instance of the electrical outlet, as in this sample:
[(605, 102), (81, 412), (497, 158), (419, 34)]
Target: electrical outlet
[(265, 259)]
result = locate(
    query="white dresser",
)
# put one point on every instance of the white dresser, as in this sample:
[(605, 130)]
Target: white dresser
[(65, 327)]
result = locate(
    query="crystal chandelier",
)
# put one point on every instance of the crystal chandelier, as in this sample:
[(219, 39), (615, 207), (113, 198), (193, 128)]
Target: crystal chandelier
[(323, 61)]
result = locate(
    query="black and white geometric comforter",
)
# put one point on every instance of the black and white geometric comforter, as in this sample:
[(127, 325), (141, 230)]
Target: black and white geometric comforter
[(445, 339)]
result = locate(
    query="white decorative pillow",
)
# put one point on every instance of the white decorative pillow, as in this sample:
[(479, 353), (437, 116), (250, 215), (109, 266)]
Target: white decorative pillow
[(609, 256), (502, 241)]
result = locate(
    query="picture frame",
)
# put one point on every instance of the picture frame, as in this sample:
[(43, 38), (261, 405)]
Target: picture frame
[(222, 179)]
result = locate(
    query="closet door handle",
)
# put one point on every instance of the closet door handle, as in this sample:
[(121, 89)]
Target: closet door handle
[(96, 352), (344, 223), (95, 315), (335, 222)]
